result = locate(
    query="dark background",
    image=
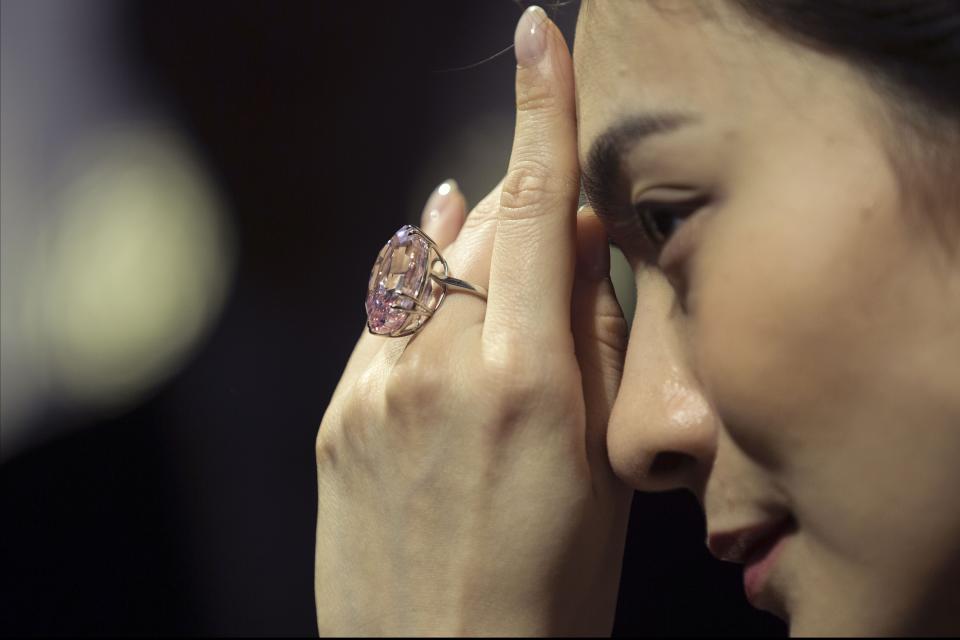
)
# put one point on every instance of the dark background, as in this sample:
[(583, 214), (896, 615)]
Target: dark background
[(194, 512)]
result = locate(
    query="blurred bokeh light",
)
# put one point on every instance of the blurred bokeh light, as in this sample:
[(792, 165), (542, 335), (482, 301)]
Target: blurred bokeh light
[(133, 269), (116, 252)]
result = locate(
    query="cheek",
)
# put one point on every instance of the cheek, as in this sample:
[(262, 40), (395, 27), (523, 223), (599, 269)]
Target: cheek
[(785, 300), (807, 333)]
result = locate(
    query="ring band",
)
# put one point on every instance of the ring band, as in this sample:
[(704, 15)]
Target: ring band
[(408, 283)]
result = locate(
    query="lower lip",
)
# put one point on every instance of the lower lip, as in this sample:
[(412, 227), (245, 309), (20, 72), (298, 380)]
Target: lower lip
[(758, 569)]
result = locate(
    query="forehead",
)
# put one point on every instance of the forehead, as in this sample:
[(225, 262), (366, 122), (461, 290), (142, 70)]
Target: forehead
[(656, 56)]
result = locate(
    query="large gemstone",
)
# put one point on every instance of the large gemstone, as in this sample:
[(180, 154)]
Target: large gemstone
[(400, 275)]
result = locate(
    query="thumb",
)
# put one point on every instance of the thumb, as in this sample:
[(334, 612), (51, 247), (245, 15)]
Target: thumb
[(599, 329)]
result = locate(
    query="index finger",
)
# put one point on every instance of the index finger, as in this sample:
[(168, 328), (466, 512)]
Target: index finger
[(532, 266)]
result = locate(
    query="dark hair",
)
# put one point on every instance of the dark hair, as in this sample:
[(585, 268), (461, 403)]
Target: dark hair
[(913, 45), (910, 51)]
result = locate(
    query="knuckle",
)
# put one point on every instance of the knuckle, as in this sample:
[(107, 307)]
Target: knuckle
[(530, 397), (526, 390), (612, 331), (515, 372), (326, 444), (410, 388), (519, 386), (325, 448), (348, 422), (527, 187), (331, 416)]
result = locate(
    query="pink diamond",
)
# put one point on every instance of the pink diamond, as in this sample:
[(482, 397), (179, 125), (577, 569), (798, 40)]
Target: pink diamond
[(399, 276)]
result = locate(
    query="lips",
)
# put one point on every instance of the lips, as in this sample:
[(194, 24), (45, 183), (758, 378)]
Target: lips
[(758, 548), (743, 545)]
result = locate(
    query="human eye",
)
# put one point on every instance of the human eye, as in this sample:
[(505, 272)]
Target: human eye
[(660, 217)]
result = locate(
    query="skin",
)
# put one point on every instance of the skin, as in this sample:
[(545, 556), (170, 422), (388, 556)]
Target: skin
[(798, 346), (791, 352), (463, 482)]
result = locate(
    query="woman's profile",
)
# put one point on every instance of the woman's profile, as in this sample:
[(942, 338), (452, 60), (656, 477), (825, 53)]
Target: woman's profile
[(783, 180)]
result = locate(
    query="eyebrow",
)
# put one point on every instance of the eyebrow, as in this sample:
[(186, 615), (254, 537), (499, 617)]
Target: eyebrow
[(603, 171)]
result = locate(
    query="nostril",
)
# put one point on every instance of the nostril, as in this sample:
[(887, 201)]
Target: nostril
[(670, 462)]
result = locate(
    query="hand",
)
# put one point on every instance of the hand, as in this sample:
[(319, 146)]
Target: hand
[(464, 485)]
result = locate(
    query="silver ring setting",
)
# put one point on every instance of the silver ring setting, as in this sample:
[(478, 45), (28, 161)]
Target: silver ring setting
[(408, 283)]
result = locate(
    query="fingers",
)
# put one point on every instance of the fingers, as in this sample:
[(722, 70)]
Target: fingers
[(599, 330), (532, 264), (444, 213), (468, 258), (469, 255)]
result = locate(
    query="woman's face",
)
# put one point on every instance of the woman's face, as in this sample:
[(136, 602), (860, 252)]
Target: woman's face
[(795, 349)]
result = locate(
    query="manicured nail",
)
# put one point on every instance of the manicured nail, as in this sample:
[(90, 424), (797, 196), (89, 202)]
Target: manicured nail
[(438, 205), (530, 39)]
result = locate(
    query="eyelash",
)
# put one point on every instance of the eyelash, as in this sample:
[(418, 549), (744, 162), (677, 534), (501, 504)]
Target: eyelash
[(656, 216)]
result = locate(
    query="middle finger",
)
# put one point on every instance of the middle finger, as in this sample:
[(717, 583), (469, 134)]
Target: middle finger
[(532, 265)]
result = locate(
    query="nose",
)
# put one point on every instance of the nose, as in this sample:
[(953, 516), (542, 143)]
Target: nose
[(662, 432)]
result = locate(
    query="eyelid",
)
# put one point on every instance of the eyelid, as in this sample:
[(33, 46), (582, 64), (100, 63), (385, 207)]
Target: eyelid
[(678, 213), (665, 193)]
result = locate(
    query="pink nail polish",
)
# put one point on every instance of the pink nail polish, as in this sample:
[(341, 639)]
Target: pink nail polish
[(438, 204), (530, 39)]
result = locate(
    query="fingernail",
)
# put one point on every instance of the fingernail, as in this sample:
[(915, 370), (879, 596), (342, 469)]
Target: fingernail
[(438, 205), (530, 39)]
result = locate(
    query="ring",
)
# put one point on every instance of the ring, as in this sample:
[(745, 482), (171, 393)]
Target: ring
[(408, 283)]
